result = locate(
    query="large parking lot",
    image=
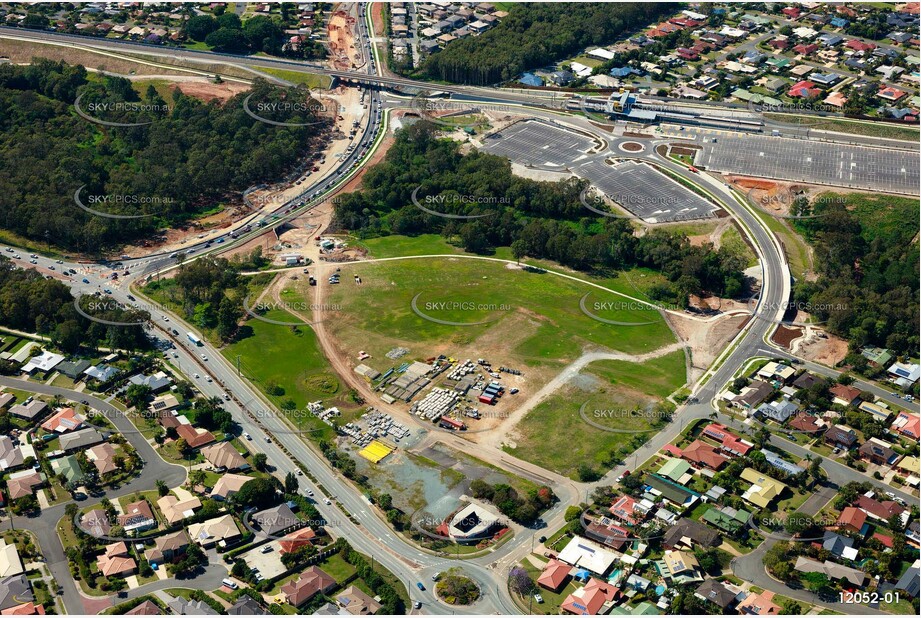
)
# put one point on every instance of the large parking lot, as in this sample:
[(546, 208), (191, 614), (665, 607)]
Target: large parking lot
[(645, 192), (538, 143), (893, 171)]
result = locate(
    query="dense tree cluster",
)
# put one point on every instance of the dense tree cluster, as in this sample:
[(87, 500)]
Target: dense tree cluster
[(522, 509), (538, 219), (536, 34), (31, 303), (867, 288), (189, 157), (261, 33)]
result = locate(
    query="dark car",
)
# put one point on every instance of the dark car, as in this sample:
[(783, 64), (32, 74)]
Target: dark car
[(420, 586)]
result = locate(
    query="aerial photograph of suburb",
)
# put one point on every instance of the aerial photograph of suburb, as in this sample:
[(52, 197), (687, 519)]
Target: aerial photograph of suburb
[(460, 308)]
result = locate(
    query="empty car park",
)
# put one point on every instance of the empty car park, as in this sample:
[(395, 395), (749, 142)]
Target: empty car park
[(538, 143), (842, 165)]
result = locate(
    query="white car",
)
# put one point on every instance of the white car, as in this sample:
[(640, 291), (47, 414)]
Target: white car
[(208, 378), (204, 358), (538, 598), (197, 377), (247, 436)]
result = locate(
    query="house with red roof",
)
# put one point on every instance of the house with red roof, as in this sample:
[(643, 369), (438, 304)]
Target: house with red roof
[(844, 395), (196, 437), (730, 442), (590, 599), (624, 509), (804, 422), (803, 90), (879, 510), (884, 539), (792, 12), (554, 576), (687, 54), (780, 44), (66, 419), (909, 425), (860, 46), (702, 454), (853, 519), (805, 49), (891, 93), (296, 540)]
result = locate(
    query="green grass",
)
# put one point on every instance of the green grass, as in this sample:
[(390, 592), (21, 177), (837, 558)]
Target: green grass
[(312, 80), (873, 129), (554, 434), (536, 316), (732, 241), (162, 86), (903, 607), (552, 600), (394, 246)]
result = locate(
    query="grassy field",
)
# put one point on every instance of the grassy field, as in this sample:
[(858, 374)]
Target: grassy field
[(289, 358), (394, 246), (732, 241), (533, 317), (874, 129), (312, 80), (555, 435)]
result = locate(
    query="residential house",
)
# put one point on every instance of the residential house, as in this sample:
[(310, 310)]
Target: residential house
[(753, 395), (834, 571), (223, 456), (10, 562), (64, 420), (69, 468), (908, 425), (761, 604), (776, 371), (228, 485), (43, 363), (586, 554), (29, 410), (312, 581), (904, 374), (803, 90), (145, 608), (276, 520), (679, 567), (628, 510), (779, 410), (101, 373), (782, 464), (10, 454), (23, 483), (356, 602), (247, 606), (854, 520), (554, 576), (138, 516), (718, 593), (763, 491), (879, 510), (15, 591), (841, 436), (688, 533), (909, 580), (221, 531), (168, 548), (80, 440), (682, 497), (727, 519), (878, 452), (175, 510), (839, 546), (96, 523), (729, 442), (804, 423), (702, 454), (73, 369), (195, 436), (297, 539), (116, 562), (844, 395), (103, 457), (591, 599)]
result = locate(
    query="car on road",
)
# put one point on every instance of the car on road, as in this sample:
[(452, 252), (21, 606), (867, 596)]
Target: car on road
[(266, 549), (326, 500), (197, 377), (301, 473), (85, 280), (268, 440), (247, 436), (107, 291), (420, 586), (208, 379), (435, 577), (204, 358), (417, 605)]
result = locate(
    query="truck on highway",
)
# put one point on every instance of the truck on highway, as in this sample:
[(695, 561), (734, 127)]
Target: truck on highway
[(193, 338)]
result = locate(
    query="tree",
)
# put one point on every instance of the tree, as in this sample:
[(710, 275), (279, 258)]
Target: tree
[(162, 489), (519, 250), (290, 483), (259, 461), (137, 395), (261, 493), (520, 582), (200, 26), (227, 40)]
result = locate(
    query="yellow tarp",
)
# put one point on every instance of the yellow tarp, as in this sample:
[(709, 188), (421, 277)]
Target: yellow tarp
[(375, 451)]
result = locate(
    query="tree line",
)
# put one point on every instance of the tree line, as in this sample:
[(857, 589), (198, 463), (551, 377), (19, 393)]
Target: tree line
[(190, 155), (535, 34), (537, 219)]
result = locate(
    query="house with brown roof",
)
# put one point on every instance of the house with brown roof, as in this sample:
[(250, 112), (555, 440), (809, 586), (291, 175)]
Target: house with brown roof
[(841, 436), (730, 443), (217, 531), (595, 597), (28, 608), (228, 485), (805, 423), (702, 454), (844, 395), (103, 457), (24, 483), (753, 395), (138, 516), (878, 452), (311, 582), (356, 602), (169, 547), (196, 437), (116, 562), (223, 456), (147, 608), (879, 510)]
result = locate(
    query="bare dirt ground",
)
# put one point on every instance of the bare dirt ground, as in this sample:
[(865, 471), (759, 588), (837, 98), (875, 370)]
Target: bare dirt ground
[(706, 339), (343, 53), (22, 52), (820, 347), (207, 90), (377, 18)]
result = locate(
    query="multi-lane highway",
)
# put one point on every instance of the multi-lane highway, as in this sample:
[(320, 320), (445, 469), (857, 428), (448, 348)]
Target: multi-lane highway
[(287, 451)]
